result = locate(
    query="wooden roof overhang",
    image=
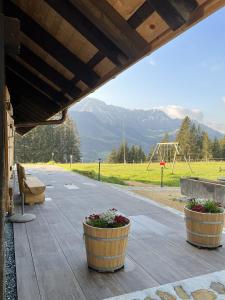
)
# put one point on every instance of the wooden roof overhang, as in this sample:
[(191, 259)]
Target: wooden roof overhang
[(69, 48)]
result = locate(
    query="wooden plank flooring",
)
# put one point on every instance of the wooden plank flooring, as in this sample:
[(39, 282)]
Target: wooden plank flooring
[(50, 253)]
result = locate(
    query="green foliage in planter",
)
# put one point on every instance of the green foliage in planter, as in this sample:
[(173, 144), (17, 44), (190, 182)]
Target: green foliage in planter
[(108, 219), (205, 206)]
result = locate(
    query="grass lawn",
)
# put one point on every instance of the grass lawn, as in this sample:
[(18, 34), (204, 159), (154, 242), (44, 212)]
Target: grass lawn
[(119, 173)]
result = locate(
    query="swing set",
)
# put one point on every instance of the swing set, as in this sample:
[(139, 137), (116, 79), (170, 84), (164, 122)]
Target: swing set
[(168, 152)]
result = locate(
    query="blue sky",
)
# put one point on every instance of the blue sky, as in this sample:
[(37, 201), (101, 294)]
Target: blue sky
[(186, 76)]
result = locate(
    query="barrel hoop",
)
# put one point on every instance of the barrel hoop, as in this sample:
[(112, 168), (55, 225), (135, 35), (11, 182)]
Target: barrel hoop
[(105, 257), (203, 235), (204, 245), (105, 239), (203, 222), (102, 269)]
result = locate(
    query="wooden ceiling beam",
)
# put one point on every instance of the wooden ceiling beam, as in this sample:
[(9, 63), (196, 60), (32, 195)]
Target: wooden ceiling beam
[(174, 12), (112, 25), (72, 15), (46, 41), (141, 14), (46, 70), (19, 86), (34, 80)]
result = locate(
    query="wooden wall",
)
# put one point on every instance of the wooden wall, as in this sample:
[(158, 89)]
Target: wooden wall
[(2, 154), (9, 152)]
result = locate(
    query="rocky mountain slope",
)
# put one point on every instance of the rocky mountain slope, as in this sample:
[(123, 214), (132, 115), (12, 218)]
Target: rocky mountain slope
[(101, 127)]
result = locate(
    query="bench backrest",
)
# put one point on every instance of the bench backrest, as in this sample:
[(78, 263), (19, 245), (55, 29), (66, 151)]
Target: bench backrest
[(21, 176)]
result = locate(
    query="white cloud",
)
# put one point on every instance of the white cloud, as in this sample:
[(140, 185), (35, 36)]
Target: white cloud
[(175, 111), (179, 112)]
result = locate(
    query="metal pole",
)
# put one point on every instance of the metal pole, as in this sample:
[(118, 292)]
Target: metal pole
[(124, 146), (71, 160), (99, 169), (161, 177), (22, 204)]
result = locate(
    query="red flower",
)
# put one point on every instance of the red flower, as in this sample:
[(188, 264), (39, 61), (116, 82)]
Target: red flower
[(121, 219), (198, 208)]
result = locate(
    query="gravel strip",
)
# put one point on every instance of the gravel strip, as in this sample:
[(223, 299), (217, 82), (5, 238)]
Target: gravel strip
[(10, 265)]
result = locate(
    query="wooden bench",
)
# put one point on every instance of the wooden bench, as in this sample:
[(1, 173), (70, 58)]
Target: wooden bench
[(32, 188)]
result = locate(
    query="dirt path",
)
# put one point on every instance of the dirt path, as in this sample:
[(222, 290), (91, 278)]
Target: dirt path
[(169, 196)]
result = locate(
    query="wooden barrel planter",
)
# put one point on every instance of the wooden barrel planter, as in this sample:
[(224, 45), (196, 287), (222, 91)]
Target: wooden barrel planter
[(106, 247), (204, 230)]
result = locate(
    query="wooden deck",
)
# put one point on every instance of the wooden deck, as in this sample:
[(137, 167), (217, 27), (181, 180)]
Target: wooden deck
[(50, 253)]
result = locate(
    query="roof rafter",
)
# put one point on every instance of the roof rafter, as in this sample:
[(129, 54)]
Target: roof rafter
[(70, 13), (46, 70), (46, 41), (112, 25), (141, 14), (22, 87), (31, 78)]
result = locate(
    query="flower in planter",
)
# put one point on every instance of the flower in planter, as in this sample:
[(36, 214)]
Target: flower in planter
[(108, 219), (204, 206)]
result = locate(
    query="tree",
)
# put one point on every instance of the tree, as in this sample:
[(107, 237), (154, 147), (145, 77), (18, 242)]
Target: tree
[(216, 149), (206, 146), (112, 158), (183, 136), (141, 157), (133, 154), (123, 153), (222, 147), (45, 143)]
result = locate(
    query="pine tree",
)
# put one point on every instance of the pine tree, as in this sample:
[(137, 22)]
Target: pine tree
[(113, 158), (222, 147), (183, 136), (123, 153), (206, 146), (45, 143), (216, 149), (141, 157), (133, 154)]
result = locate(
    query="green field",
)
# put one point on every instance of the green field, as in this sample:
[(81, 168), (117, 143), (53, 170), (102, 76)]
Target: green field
[(118, 173)]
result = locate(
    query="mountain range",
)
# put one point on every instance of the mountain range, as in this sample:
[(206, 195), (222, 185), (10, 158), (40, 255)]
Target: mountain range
[(103, 127)]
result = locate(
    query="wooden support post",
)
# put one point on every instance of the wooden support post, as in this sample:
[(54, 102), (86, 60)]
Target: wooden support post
[(152, 156), (2, 154), (174, 157)]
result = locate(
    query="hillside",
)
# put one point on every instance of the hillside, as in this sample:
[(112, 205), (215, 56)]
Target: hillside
[(101, 127)]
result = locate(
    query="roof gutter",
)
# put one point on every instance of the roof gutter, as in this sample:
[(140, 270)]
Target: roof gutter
[(49, 122)]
